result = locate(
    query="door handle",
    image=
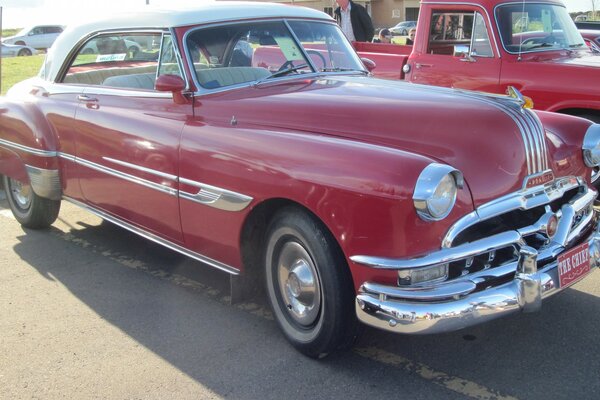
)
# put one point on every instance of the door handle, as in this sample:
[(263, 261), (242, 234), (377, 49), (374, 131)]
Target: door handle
[(419, 65), (83, 97)]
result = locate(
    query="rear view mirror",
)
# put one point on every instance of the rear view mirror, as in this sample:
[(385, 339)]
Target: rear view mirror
[(171, 83), (368, 63)]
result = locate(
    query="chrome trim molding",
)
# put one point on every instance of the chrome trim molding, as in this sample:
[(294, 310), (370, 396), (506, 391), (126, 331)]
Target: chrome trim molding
[(565, 234), (45, 182), (156, 239), (591, 146), (215, 197), (142, 169), (131, 178), (387, 308), (521, 200), (37, 152), (427, 183)]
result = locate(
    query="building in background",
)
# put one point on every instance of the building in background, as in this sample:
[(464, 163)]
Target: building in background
[(384, 13)]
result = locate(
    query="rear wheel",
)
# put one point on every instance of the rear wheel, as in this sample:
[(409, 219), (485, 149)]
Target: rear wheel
[(31, 210), (309, 285), (24, 52)]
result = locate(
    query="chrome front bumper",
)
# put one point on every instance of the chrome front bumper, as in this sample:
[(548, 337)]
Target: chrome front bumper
[(446, 307)]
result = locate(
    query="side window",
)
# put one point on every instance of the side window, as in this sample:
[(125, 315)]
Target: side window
[(449, 29), (481, 45), (168, 58), (53, 29), (117, 60), (38, 30)]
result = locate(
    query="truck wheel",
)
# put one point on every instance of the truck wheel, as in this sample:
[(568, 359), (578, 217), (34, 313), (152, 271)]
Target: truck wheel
[(31, 210), (309, 285)]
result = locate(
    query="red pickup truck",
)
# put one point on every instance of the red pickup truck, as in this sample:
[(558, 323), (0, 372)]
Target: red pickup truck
[(488, 45)]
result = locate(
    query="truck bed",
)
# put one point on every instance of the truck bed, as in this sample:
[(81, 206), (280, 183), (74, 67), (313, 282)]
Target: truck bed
[(390, 58)]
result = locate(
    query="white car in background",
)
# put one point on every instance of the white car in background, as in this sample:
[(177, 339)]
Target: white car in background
[(14, 50), (39, 36)]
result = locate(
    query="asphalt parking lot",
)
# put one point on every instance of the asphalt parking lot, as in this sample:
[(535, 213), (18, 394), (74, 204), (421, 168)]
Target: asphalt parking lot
[(89, 310)]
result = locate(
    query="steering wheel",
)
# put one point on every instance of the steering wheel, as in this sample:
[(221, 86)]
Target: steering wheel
[(319, 55), (550, 39), (290, 63)]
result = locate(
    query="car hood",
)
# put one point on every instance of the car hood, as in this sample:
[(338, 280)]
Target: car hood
[(493, 141)]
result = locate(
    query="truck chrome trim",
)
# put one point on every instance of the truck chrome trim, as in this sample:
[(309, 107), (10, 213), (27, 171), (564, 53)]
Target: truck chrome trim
[(565, 232), (216, 197), (45, 182), (131, 178), (37, 152), (384, 308), (155, 238)]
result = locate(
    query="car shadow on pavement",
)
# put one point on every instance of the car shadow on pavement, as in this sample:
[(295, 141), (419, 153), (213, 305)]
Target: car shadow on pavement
[(238, 353)]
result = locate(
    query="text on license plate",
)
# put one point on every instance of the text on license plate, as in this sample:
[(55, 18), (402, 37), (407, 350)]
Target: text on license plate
[(573, 264)]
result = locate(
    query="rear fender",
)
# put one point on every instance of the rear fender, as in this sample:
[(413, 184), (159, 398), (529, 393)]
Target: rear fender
[(28, 148)]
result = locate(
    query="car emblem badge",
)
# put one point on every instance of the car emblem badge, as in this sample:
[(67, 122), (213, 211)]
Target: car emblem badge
[(538, 179), (552, 226)]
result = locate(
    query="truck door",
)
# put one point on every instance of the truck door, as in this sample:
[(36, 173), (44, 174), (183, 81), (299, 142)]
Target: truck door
[(458, 51)]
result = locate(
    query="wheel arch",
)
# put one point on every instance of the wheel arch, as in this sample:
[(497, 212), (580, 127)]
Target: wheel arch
[(589, 113)]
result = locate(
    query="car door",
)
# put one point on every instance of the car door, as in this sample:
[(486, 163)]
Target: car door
[(128, 135), (458, 52)]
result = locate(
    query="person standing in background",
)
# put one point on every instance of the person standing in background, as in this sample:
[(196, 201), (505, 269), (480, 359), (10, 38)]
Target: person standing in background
[(354, 21)]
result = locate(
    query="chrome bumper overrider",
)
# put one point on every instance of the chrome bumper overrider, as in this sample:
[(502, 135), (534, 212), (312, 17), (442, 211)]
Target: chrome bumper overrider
[(446, 308)]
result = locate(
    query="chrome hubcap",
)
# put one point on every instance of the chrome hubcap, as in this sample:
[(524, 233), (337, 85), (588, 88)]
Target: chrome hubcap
[(299, 284), (20, 193)]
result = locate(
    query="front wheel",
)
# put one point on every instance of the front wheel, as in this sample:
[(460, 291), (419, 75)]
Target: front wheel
[(309, 284), (31, 210)]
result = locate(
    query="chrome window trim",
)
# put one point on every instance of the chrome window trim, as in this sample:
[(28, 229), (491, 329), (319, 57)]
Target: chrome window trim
[(216, 197), (155, 238), (30, 150), (79, 45), (540, 50), (202, 91), (124, 92), (480, 8)]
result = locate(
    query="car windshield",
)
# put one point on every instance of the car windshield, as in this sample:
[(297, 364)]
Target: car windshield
[(235, 54), (537, 27)]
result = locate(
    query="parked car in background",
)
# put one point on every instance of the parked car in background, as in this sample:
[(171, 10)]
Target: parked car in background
[(402, 28), (258, 144), (112, 45), (39, 36), (14, 50)]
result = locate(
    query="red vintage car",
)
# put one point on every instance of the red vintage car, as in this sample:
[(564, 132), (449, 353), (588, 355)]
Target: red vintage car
[(250, 137)]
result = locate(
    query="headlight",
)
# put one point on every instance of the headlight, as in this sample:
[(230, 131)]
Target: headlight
[(435, 192), (591, 146)]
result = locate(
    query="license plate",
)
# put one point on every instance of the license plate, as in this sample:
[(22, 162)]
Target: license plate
[(573, 264)]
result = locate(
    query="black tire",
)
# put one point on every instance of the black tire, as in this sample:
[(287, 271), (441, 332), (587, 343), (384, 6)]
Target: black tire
[(31, 210), (314, 306), (24, 53)]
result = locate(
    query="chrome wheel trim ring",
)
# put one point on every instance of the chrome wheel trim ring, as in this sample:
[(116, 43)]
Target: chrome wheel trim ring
[(20, 193), (299, 284)]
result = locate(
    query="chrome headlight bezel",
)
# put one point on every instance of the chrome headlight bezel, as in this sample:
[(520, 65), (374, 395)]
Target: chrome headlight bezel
[(591, 146), (437, 182)]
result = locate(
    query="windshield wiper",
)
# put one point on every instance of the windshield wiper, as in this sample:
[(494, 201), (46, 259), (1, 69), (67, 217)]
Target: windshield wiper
[(343, 70), (578, 45), (539, 45), (281, 73)]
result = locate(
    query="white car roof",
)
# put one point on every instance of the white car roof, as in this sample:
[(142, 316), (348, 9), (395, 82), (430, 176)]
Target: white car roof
[(150, 18)]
